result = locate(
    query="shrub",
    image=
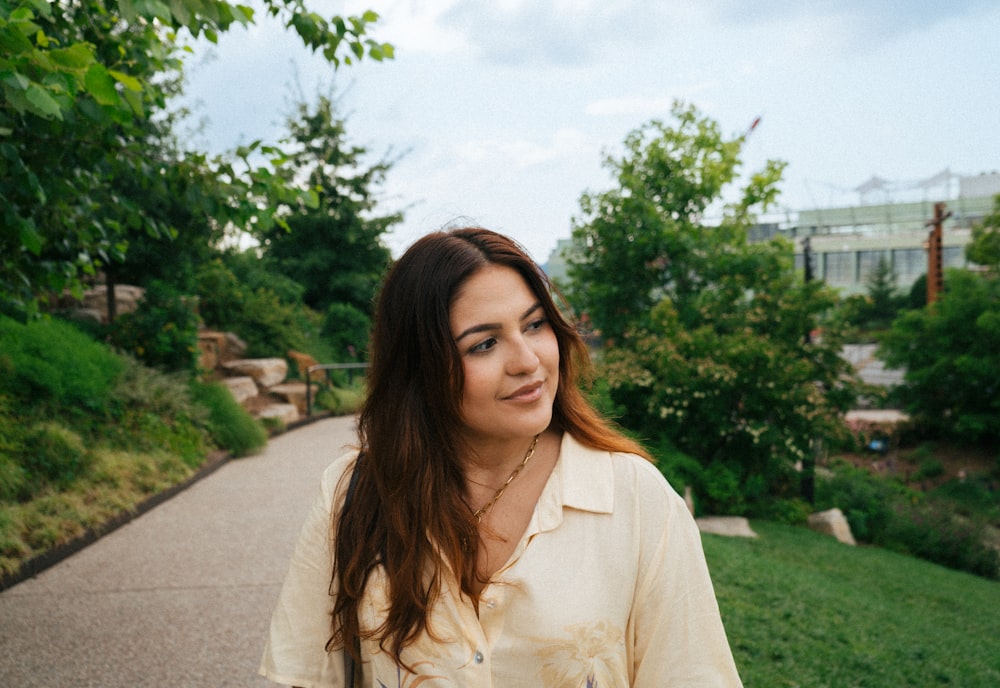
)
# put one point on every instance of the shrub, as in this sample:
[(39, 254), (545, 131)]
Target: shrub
[(346, 328), (865, 501), (13, 480), (229, 424), (891, 516), (934, 533), (53, 360), (54, 454), (162, 332)]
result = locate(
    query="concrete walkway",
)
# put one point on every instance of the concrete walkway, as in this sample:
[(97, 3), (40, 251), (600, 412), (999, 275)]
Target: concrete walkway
[(180, 596)]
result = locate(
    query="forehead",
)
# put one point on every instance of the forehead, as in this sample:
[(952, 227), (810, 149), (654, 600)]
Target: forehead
[(490, 292)]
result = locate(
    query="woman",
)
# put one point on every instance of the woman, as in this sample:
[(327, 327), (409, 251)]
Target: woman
[(498, 532)]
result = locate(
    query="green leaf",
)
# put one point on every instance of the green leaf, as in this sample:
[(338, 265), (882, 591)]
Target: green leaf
[(43, 7), (13, 42), (181, 11), (129, 82), (15, 80), (77, 56), (127, 8), (31, 239), (42, 102), (101, 86), (134, 101)]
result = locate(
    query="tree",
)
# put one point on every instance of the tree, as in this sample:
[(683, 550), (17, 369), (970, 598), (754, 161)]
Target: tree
[(85, 85), (706, 332), (951, 354), (334, 248), (984, 249)]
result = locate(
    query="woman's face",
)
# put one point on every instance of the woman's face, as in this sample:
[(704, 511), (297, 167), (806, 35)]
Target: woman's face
[(509, 354)]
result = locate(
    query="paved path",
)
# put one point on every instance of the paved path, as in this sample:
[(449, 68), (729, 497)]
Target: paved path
[(180, 596)]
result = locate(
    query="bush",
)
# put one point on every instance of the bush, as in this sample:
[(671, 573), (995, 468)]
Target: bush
[(865, 501), (346, 328), (13, 480), (54, 454), (51, 360), (162, 332), (891, 516), (934, 533), (229, 424)]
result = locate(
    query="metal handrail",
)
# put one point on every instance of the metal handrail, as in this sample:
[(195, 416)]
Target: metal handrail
[(328, 366)]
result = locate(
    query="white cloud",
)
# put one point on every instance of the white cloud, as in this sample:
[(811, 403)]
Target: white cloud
[(637, 107), (523, 153), (414, 26)]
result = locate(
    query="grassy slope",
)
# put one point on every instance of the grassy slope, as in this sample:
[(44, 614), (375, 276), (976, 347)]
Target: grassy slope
[(803, 610)]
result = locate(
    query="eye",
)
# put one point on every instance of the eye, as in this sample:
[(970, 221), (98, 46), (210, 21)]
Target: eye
[(483, 346), (536, 325)]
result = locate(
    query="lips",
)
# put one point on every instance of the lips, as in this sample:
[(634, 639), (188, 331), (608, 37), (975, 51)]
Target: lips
[(529, 392)]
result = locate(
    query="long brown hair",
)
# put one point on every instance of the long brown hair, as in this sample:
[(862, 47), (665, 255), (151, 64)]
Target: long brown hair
[(408, 509)]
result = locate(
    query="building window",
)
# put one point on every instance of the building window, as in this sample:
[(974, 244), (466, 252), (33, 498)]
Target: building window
[(868, 263), (909, 264), (953, 257), (838, 267)]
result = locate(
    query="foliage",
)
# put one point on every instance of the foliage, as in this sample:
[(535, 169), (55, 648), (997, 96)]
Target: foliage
[(705, 332), (879, 305), (231, 427), (333, 249), (951, 354), (162, 332), (84, 163), (346, 328), (890, 515), (50, 361), (984, 249), (803, 609)]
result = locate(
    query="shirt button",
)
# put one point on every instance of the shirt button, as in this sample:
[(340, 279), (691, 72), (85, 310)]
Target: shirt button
[(478, 659), (491, 603)]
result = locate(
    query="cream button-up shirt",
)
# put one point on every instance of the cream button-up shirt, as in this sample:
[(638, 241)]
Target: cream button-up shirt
[(607, 587)]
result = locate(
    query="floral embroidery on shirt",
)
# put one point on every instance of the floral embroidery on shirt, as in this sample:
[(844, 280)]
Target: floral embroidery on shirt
[(403, 677), (591, 657)]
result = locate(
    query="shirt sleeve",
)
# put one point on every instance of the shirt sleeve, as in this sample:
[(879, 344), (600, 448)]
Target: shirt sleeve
[(295, 653), (677, 631)]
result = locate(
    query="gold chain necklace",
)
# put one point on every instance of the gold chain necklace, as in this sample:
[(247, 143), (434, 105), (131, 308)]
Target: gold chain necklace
[(478, 514)]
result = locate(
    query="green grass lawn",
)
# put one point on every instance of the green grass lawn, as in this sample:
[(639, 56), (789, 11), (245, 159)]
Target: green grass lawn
[(801, 609)]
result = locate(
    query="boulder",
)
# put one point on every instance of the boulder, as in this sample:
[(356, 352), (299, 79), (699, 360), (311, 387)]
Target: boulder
[(832, 522), (242, 388), (293, 393), (266, 372), (732, 526), (285, 413)]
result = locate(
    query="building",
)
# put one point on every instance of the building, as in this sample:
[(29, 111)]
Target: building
[(888, 221), (848, 242)]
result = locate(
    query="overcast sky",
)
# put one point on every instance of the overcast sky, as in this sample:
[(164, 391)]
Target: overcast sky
[(503, 110)]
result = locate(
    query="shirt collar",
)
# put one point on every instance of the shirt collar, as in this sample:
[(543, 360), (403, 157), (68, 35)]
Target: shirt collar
[(581, 479)]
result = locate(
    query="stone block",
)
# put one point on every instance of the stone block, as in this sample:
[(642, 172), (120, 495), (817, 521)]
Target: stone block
[(242, 388), (266, 372), (832, 522), (286, 413), (731, 526), (293, 393)]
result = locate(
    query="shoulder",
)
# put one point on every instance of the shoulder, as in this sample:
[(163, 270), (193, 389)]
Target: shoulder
[(623, 477), (336, 478)]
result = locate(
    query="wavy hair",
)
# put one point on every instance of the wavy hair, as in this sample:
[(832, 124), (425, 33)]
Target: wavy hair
[(407, 510)]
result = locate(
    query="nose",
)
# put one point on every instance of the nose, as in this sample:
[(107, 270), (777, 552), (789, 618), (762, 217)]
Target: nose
[(521, 356)]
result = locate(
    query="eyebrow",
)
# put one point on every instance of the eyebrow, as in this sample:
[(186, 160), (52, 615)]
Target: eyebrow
[(489, 327)]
